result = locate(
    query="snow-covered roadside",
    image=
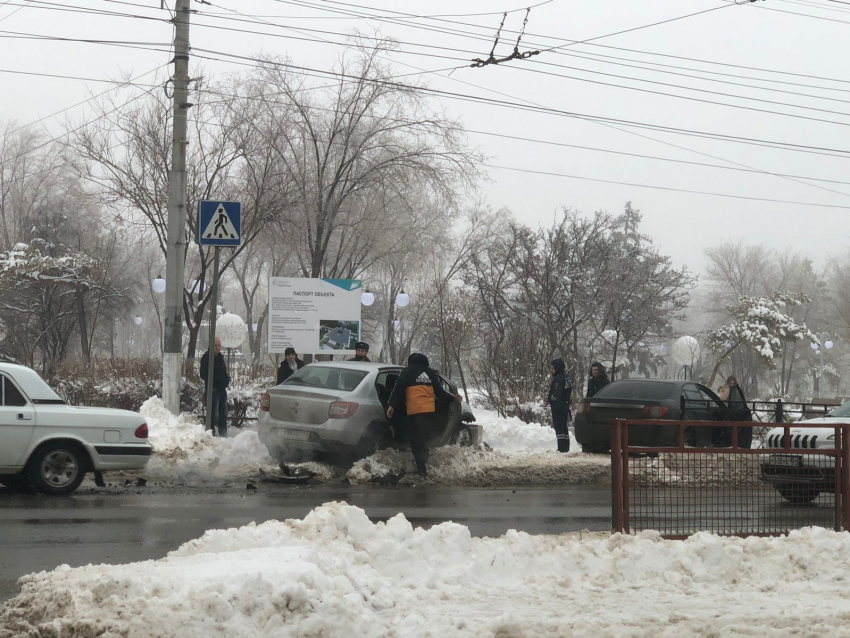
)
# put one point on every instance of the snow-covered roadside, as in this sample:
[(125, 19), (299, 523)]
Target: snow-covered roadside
[(185, 452), (516, 453), (336, 573)]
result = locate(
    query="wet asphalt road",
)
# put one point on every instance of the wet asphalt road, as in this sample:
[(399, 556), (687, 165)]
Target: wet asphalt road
[(133, 524)]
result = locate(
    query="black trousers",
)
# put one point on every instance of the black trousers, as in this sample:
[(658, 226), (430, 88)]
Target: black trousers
[(420, 428), (560, 419)]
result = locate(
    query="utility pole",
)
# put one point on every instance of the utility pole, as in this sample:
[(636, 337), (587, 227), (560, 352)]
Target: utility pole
[(172, 351)]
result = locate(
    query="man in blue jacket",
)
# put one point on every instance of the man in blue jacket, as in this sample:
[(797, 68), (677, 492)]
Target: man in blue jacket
[(560, 395)]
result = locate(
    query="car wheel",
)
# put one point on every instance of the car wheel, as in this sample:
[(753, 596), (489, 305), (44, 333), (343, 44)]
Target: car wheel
[(594, 449), (798, 494), (57, 468), (462, 437), (15, 482), (371, 442)]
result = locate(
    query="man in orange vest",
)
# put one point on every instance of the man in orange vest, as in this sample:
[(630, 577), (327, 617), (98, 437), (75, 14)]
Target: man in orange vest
[(419, 387)]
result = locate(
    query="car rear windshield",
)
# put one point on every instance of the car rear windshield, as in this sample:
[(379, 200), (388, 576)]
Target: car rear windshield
[(646, 390), (344, 379)]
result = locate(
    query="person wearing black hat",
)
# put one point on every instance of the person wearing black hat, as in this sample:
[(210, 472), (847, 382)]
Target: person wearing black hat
[(361, 350), (289, 366), (560, 394), (419, 390)]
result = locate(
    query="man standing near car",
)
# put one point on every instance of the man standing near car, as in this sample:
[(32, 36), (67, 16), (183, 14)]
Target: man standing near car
[(361, 352), (289, 366), (560, 394), (221, 379), (419, 387)]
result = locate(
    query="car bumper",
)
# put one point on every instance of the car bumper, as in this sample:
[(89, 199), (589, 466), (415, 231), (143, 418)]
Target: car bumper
[(279, 435), (599, 436), (120, 457), (811, 469)]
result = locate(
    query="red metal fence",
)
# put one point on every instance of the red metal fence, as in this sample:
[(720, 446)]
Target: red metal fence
[(785, 481)]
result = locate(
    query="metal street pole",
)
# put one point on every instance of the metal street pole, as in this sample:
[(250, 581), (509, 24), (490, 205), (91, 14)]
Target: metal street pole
[(172, 347), (211, 349)]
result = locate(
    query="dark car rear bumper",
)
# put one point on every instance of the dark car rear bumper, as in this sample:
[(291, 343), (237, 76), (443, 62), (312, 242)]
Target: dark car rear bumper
[(598, 436)]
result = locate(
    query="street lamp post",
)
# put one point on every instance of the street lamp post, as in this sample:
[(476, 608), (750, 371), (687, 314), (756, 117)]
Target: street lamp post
[(823, 338)]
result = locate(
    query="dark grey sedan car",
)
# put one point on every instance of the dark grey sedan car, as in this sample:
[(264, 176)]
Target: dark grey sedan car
[(641, 399)]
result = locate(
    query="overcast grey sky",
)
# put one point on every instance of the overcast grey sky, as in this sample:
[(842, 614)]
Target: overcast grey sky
[(805, 37)]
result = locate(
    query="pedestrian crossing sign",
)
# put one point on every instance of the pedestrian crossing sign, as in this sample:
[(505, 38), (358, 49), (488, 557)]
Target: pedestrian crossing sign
[(219, 223)]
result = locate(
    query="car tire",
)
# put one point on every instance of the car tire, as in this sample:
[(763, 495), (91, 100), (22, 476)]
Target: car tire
[(16, 482), (462, 437), (57, 467), (594, 449), (371, 442), (798, 494)]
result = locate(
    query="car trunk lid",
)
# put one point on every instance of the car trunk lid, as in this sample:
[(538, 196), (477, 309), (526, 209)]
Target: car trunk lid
[(603, 411), (301, 405)]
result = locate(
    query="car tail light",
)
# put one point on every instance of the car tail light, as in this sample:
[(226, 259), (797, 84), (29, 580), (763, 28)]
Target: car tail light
[(342, 409), (142, 431), (265, 401), (583, 408), (654, 411)]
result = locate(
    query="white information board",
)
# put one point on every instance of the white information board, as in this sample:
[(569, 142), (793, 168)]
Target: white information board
[(314, 316)]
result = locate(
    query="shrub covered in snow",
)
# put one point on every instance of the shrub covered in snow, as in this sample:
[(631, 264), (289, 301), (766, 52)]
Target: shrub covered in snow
[(127, 383)]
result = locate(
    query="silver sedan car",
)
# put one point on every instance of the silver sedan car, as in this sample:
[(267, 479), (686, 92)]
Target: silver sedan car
[(339, 408)]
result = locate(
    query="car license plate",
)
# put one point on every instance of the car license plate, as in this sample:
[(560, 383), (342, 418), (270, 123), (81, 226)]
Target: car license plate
[(785, 460), (295, 435)]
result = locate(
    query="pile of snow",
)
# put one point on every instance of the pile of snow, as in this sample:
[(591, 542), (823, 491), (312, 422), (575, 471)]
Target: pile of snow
[(336, 573), (480, 467), (516, 453), (184, 450), (513, 435)]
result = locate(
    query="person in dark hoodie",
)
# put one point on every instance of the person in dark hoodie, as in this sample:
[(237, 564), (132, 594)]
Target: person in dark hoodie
[(560, 394), (418, 387), (361, 352), (597, 380), (289, 366)]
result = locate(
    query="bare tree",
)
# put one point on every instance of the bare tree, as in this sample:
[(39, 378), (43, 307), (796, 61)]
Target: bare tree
[(361, 156)]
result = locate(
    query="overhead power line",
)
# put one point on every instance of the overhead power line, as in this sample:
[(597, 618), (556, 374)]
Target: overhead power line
[(665, 188), (248, 61)]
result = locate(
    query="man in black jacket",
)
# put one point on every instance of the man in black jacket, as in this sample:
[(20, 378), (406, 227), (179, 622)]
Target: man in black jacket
[(289, 366), (361, 352), (418, 387), (597, 380), (560, 394), (221, 379)]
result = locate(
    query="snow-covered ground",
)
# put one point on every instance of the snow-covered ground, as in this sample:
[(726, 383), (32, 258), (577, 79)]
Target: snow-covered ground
[(336, 573), (184, 451), (516, 453)]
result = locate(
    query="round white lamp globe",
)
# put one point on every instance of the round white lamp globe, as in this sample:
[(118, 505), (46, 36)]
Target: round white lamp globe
[(402, 299), (367, 298), (230, 328), (158, 285), (686, 351)]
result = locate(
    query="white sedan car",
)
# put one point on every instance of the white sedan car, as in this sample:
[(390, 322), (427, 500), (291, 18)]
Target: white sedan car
[(51, 445)]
